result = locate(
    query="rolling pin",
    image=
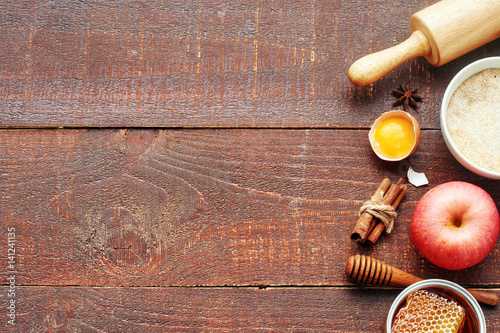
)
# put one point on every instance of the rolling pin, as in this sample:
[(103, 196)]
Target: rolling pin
[(441, 33), (366, 270)]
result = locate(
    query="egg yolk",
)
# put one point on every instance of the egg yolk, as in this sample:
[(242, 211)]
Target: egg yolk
[(395, 137)]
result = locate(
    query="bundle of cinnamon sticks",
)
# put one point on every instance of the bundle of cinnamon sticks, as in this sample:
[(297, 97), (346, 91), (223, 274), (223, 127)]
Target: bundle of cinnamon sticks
[(368, 228)]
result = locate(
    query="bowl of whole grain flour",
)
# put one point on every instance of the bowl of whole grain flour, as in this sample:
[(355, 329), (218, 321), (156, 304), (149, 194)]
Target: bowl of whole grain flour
[(470, 117)]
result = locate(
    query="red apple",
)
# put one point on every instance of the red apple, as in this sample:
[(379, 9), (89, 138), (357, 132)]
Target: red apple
[(455, 225)]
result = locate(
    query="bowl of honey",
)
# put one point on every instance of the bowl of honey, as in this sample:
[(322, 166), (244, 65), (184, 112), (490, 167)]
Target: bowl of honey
[(435, 305)]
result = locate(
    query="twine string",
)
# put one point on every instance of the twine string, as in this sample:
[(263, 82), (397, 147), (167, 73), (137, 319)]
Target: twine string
[(385, 213)]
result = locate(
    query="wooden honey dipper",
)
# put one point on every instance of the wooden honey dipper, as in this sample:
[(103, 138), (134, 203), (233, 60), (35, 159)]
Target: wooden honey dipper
[(366, 270)]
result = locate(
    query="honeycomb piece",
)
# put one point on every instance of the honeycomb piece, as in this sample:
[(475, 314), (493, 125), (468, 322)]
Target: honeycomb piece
[(428, 312)]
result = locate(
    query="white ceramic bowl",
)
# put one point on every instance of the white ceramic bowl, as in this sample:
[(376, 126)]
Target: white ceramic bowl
[(476, 319), (465, 73)]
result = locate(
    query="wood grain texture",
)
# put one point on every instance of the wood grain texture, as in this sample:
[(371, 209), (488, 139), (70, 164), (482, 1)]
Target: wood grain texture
[(199, 63), (209, 207), (138, 310), (222, 191)]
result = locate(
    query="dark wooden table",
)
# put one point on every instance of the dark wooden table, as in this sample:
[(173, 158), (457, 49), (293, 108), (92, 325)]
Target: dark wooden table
[(197, 166)]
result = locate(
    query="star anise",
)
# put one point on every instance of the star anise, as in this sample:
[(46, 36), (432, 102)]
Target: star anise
[(406, 97)]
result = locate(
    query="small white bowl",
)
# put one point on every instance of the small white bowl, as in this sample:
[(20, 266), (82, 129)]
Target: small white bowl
[(450, 289), (464, 74)]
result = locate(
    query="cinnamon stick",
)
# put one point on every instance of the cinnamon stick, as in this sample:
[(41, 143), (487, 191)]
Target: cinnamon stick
[(363, 225), (388, 199), (379, 227)]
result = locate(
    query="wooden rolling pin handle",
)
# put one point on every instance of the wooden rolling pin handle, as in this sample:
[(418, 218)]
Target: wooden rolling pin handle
[(372, 67), (366, 270)]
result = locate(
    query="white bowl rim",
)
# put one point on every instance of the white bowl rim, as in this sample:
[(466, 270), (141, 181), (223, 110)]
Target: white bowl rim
[(433, 283), (461, 76)]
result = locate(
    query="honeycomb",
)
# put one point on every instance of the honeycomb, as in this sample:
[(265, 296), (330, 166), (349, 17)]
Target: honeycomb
[(428, 312)]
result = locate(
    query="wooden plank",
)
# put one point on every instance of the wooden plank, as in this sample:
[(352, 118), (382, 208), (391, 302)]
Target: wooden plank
[(74, 309), (208, 207), (199, 63)]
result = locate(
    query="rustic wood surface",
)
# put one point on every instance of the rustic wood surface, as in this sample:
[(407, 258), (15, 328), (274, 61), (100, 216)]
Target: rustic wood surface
[(84, 309), (202, 63), (198, 166)]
